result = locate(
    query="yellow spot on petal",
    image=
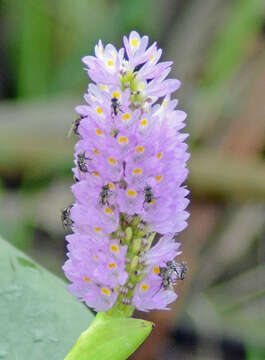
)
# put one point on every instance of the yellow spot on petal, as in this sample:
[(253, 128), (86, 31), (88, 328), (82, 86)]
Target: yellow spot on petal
[(137, 171), (99, 132), (159, 155), (112, 265), (116, 94), (144, 122), (96, 152), (111, 186), (112, 161), (108, 210), (110, 63), (131, 193), (99, 110), (139, 149), (126, 116), (152, 201), (97, 229), (87, 279), (95, 257), (164, 103), (123, 140), (134, 42), (114, 248), (144, 286), (95, 173), (159, 177), (141, 85), (152, 57), (156, 270), (103, 87), (105, 291)]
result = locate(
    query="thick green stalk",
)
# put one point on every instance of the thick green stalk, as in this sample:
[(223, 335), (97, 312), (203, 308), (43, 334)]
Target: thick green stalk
[(110, 338)]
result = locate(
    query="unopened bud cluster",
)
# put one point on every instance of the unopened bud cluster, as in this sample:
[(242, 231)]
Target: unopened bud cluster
[(130, 163)]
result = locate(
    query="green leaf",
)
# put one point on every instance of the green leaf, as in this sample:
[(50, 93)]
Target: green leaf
[(39, 318), (110, 338)]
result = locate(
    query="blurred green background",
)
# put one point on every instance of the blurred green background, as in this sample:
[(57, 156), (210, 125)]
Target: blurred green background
[(218, 48)]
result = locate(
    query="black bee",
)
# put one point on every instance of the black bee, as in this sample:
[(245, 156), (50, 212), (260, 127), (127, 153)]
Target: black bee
[(74, 127), (148, 194), (115, 106), (104, 195), (81, 162), (172, 272), (179, 270), (65, 217)]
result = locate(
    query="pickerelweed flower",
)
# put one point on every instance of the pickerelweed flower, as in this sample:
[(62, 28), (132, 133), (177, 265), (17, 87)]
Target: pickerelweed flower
[(130, 164)]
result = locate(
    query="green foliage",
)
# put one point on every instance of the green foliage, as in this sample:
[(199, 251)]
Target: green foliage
[(227, 52), (39, 318)]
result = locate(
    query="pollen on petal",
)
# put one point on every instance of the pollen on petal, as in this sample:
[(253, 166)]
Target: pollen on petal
[(159, 155), (139, 149), (116, 94), (144, 122), (105, 291), (159, 178), (114, 248), (156, 270), (144, 287), (87, 279), (110, 63), (112, 161), (123, 140), (131, 193), (95, 173), (126, 116), (137, 171), (134, 42), (98, 132), (108, 211), (96, 151), (99, 110), (111, 186), (103, 87), (112, 265), (97, 229)]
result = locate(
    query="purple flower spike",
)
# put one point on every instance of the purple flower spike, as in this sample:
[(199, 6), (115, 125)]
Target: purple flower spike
[(130, 165)]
